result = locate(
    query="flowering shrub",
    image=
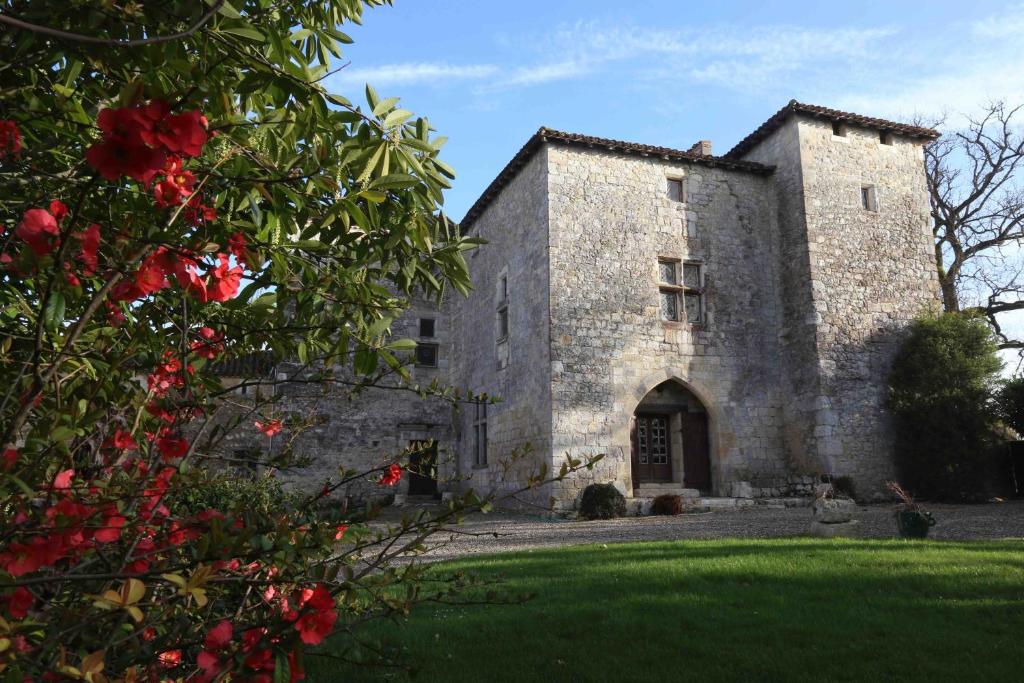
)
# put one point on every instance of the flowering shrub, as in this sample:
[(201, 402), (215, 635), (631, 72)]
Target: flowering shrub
[(181, 189)]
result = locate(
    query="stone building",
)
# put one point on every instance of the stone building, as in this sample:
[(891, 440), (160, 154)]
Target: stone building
[(699, 320), (722, 324)]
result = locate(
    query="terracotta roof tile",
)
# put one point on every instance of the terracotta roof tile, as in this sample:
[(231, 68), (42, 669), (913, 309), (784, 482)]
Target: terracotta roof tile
[(794, 107)]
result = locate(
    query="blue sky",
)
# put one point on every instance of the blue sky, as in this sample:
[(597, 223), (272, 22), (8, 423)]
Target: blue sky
[(488, 74)]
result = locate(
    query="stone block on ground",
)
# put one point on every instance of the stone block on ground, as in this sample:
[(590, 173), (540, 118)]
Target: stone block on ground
[(833, 510)]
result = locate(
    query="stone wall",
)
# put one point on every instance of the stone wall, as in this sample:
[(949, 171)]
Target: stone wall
[(611, 219), (350, 430), (514, 369), (872, 271)]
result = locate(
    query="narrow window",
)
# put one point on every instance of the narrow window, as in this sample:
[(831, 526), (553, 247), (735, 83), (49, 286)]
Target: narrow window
[(677, 189), (503, 323), (426, 355), (426, 327), (839, 129), (503, 308), (480, 434), (868, 198), (885, 137)]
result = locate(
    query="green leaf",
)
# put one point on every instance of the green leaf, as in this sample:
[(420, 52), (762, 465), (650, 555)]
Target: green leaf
[(226, 9), (249, 33), (397, 117), (53, 315)]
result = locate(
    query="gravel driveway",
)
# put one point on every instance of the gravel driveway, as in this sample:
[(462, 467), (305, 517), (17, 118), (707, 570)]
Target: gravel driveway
[(502, 532)]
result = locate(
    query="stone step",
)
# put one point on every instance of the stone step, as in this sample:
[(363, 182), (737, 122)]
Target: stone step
[(654, 490)]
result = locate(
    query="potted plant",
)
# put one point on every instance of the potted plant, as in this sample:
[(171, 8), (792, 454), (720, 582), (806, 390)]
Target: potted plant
[(912, 520)]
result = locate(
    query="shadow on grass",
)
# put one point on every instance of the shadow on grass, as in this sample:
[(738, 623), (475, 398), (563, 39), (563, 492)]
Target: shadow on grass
[(731, 610)]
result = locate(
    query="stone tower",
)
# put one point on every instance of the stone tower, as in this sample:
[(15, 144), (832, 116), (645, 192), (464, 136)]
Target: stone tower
[(857, 264)]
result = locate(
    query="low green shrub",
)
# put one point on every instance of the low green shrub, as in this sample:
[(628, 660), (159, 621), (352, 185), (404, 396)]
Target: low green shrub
[(667, 504), (220, 491), (602, 501)]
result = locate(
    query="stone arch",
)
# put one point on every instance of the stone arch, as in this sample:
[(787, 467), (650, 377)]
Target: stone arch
[(636, 394)]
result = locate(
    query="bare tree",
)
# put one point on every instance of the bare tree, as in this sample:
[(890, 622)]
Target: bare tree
[(977, 207)]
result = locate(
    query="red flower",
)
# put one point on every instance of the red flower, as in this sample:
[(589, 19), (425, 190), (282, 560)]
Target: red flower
[(170, 659), (224, 280), (211, 347), (238, 246), (270, 428), (10, 458), (62, 481), (123, 150), (38, 228), (111, 530), (10, 138), (90, 239), (340, 531), (58, 209), (219, 637), (122, 441), (172, 447), (184, 134), (319, 615), (19, 602), (176, 185), (392, 475), (152, 274), (198, 213)]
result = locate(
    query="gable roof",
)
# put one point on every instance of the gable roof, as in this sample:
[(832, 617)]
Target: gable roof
[(549, 135), (794, 107)]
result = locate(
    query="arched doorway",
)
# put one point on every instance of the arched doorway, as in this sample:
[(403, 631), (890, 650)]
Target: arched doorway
[(670, 444)]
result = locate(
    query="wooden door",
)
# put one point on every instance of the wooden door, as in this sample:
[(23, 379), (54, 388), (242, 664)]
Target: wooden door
[(696, 451), (423, 469), (652, 449)]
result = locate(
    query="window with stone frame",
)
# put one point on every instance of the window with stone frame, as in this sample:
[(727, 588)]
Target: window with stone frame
[(503, 308), (677, 189), (427, 327), (426, 355), (480, 434), (681, 290), (868, 198)]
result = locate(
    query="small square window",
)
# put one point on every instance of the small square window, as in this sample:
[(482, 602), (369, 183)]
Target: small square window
[(868, 198), (677, 189), (669, 305), (839, 129), (885, 137), (426, 355), (426, 327)]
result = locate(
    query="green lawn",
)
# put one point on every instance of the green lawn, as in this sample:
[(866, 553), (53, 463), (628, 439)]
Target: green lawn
[(733, 610)]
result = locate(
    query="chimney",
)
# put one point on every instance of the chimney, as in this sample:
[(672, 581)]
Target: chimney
[(703, 148)]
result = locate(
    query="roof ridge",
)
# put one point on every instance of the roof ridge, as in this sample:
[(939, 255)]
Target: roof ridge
[(794, 106)]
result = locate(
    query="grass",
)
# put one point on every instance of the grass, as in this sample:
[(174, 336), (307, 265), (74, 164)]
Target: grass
[(731, 610)]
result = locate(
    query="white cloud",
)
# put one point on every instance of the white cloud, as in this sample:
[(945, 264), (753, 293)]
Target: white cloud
[(416, 73), (1007, 24), (536, 75)]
